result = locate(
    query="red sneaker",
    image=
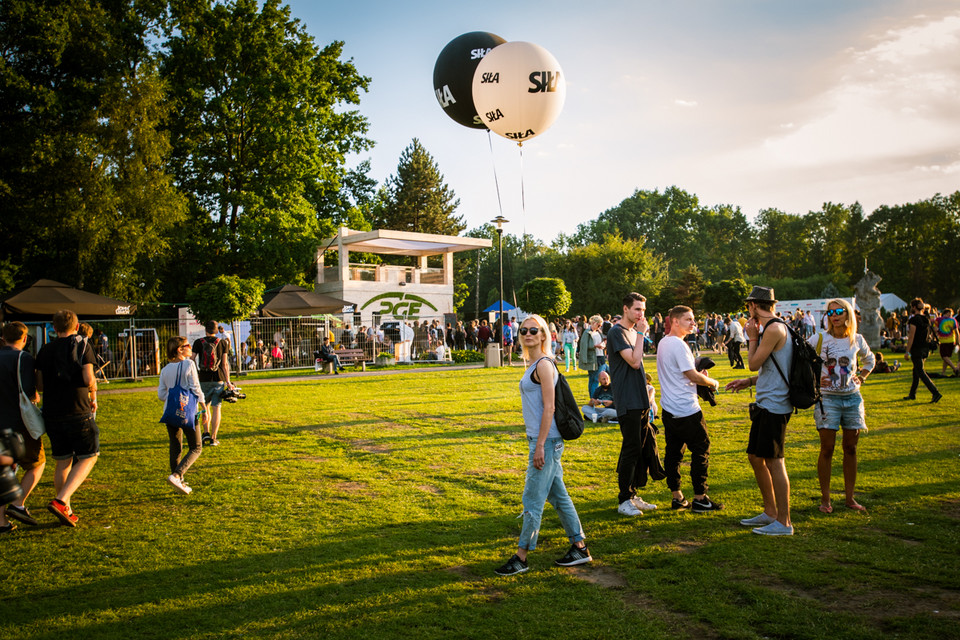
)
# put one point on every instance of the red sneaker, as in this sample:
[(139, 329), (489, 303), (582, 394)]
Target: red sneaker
[(63, 512)]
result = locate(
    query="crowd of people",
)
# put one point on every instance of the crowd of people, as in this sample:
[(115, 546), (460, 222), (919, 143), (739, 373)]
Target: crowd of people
[(612, 350), (63, 374)]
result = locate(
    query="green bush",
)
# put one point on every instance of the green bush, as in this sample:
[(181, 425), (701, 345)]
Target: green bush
[(465, 355)]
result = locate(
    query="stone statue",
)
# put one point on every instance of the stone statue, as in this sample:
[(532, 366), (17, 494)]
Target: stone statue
[(868, 299)]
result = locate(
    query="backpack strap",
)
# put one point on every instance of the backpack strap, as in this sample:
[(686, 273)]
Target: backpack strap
[(772, 356), (536, 380)]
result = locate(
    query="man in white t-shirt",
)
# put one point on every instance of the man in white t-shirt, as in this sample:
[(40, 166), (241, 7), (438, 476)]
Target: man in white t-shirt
[(683, 422)]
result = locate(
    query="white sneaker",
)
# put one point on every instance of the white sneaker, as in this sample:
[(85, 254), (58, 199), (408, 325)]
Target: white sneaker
[(641, 504), (627, 508), (775, 528), (178, 484), (757, 521)]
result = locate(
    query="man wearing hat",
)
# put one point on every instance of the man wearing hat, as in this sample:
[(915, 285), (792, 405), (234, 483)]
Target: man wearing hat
[(767, 340)]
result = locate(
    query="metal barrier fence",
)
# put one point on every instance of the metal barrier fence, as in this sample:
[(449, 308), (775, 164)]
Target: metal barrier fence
[(136, 347)]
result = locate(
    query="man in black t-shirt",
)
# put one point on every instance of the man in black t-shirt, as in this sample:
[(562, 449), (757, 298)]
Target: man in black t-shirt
[(212, 357), (625, 357), (65, 376)]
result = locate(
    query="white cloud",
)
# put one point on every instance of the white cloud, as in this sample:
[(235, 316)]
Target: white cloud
[(894, 100), (685, 103)]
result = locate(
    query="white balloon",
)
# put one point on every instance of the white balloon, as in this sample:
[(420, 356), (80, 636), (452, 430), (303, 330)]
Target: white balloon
[(519, 90)]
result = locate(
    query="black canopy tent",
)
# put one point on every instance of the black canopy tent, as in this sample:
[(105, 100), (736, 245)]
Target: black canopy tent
[(291, 301), (43, 298)]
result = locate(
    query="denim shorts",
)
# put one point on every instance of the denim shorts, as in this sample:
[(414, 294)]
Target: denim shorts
[(74, 437), (212, 392), (840, 410)]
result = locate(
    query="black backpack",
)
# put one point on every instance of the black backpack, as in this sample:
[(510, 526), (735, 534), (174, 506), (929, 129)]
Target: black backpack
[(208, 356), (933, 342), (803, 385), (566, 411)]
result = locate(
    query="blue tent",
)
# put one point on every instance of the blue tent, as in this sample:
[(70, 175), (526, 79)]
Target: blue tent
[(496, 307)]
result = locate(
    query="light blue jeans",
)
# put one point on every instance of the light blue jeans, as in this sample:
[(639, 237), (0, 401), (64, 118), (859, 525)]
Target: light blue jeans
[(546, 485)]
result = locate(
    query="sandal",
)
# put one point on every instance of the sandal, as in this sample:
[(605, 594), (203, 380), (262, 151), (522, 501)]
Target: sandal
[(857, 507), (826, 508)]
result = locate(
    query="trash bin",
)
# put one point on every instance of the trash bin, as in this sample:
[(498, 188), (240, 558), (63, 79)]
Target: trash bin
[(492, 355)]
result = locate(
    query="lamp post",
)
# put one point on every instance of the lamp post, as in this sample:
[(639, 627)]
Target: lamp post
[(499, 221)]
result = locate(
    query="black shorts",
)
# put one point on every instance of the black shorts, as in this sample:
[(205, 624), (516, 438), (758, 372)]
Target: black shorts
[(767, 432), (74, 437)]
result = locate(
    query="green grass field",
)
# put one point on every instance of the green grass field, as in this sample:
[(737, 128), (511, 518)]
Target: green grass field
[(378, 506)]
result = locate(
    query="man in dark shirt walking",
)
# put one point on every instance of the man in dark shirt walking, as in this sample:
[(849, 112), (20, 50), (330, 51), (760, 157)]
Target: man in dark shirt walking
[(213, 366), (65, 376)]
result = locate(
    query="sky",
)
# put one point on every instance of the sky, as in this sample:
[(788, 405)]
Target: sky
[(757, 104)]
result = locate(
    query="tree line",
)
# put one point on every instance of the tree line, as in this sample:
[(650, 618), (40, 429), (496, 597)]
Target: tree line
[(675, 250)]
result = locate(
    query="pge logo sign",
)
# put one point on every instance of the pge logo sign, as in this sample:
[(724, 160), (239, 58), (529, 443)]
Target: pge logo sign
[(405, 306)]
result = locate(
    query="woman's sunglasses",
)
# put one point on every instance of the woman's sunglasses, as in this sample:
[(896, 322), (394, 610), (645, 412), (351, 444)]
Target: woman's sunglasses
[(531, 330), (836, 312)]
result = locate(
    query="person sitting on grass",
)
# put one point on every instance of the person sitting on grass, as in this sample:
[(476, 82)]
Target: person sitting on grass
[(600, 407), (882, 366), (544, 480)]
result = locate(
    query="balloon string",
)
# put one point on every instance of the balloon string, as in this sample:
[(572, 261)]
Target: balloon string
[(493, 161), (523, 202)]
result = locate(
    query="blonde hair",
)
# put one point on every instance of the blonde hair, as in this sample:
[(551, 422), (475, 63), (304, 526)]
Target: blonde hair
[(546, 343), (596, 319), (850, 324)]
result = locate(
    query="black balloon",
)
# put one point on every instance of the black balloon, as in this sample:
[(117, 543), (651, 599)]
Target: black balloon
[(453, 75)]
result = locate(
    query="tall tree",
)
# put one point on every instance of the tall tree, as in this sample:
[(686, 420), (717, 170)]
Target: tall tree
[(416, 198), (260, 135), (916, 249), (83, 184), (781, 243)]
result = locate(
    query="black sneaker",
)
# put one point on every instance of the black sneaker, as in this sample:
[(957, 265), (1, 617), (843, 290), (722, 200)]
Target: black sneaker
[(576, 555), (702, 506), (513, 566), (21, 514), (207, 439), (680, 504)]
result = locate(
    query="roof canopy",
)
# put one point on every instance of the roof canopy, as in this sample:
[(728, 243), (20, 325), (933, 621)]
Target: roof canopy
[(45, 297), (496, 307), (291, 301), (405, 243)]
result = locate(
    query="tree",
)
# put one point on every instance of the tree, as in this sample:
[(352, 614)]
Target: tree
[(726, 296), (599, 274), (916, 248), (260, 135), (83, 182), (781, 243), (546, 297), (417, 199), (690, 287), (225, 298)]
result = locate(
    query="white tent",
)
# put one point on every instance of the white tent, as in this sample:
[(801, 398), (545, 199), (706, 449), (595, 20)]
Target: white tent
[(892, 302)]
